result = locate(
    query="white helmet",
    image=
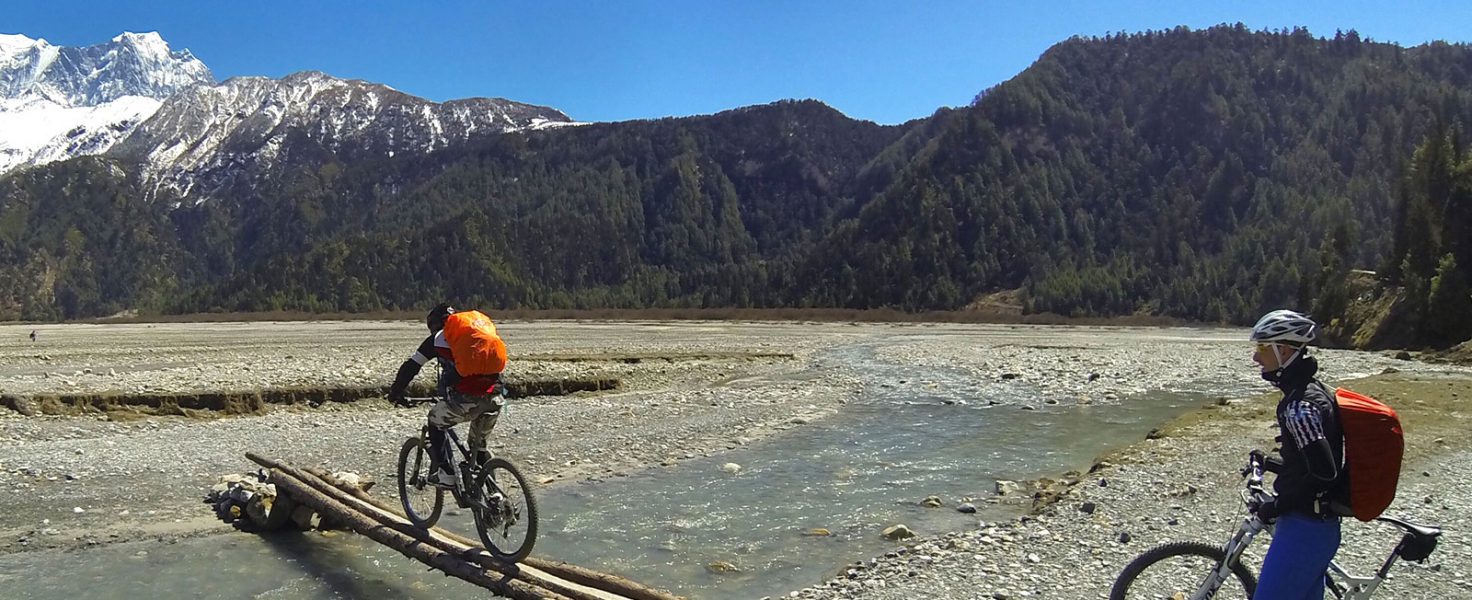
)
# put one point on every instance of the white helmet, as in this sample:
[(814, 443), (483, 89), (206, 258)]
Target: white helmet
[(1284, 326)]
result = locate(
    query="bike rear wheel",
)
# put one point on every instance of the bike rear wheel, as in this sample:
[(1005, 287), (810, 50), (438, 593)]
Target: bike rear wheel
[(1177, 571), (422, 500), (506, 512)]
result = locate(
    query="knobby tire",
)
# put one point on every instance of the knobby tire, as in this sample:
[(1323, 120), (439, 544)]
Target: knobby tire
[(1213, 555)]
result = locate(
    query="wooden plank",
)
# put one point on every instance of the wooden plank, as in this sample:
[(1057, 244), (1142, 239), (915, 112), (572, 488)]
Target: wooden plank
[(582, 584), (622, 586), (408, 545)]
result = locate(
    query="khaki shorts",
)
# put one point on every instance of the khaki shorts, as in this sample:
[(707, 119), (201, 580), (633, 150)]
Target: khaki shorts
[(482, 410)]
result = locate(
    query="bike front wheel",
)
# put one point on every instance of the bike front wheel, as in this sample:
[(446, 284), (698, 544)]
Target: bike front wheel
[(1182, 571), (422, 500), (506, 512)]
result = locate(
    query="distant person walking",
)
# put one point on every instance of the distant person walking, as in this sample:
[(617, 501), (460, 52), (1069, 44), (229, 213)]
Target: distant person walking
[(33, 336)]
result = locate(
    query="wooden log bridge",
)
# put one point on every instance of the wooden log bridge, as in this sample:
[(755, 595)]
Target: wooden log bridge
[(448, 552)]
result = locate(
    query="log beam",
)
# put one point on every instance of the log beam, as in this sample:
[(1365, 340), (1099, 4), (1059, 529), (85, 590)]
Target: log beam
[(365, 513), (409, 545)]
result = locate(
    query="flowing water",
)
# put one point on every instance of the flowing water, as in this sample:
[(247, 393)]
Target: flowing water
[(914, 433)]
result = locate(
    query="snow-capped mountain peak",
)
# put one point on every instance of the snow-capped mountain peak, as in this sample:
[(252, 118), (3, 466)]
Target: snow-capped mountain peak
[(131, 64), (207, 135), (14, 43), (137, 99), (59, 102)]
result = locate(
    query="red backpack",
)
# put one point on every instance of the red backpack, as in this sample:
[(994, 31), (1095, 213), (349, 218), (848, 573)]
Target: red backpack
[(474, 344), (1373, 445)]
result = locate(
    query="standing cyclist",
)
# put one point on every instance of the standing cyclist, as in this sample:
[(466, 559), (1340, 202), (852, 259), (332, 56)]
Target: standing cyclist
[(468, 390), (1310, 471)]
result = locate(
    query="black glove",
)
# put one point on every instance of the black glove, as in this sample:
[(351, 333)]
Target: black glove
[(1265, 507), (397, 397)]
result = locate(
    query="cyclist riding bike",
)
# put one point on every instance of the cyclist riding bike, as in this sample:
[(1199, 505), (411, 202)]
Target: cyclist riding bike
[(1309, 475), (463, 396)]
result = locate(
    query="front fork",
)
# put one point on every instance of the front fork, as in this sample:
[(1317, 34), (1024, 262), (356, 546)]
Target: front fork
[(1251, 526)]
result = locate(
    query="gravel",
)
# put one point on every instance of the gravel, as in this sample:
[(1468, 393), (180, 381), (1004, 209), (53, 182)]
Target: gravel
[(693, 391), (689, 390), (1180, 487)]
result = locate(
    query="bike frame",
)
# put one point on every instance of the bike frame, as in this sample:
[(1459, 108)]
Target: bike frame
[(1352, 588), (464, 498), (1358, 588)]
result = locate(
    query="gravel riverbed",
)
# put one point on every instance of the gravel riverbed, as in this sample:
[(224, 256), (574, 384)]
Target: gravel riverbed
[(1184, 486), (687, 390)]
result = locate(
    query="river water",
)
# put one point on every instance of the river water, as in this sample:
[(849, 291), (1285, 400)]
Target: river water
[(915, 432)]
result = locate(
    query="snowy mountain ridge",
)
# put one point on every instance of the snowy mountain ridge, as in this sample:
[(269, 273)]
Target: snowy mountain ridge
[(60, 102), (207, 135), (131, 64), (136, 99)]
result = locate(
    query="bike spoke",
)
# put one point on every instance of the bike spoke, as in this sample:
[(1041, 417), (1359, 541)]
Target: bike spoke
[(422, 501), (506, 514)]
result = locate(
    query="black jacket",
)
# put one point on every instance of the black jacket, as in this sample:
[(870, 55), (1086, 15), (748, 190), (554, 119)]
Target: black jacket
[(1312, 441)]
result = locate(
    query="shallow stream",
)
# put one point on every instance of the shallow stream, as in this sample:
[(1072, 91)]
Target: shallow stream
[(913, 433)]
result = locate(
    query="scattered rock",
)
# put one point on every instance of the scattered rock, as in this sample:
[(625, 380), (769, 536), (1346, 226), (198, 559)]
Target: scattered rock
[(931, 502), (721, 566), (21, 404), (304, 518), (966, 507), (898, 532)]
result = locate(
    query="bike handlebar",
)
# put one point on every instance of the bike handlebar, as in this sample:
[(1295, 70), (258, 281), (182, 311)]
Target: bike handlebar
[(1254, 495), (1254, 470), (410, 401)]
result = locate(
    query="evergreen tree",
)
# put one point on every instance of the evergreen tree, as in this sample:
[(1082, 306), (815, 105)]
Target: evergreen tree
[(1449, 306)]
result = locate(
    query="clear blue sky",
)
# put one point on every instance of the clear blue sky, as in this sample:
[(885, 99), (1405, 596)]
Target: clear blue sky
[(614, 60)]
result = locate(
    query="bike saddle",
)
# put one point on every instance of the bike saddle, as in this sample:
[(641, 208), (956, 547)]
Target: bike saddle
[(1418, 542), (1419, 531)]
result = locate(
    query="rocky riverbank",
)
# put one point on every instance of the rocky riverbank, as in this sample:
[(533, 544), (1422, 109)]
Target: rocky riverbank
[(1183, 485), (687, 390), (115, 475)]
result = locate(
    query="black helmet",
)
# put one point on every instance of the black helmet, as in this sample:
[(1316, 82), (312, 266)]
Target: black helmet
[(437, 315)]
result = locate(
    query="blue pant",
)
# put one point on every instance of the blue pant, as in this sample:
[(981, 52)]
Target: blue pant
[(1300, 553)]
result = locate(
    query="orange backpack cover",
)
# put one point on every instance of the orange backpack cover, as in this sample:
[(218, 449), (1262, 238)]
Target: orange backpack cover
[(1373, 445), (474, 344)]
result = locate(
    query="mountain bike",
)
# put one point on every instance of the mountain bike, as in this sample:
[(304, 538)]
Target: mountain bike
[(495, 491), (1197, 571)]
